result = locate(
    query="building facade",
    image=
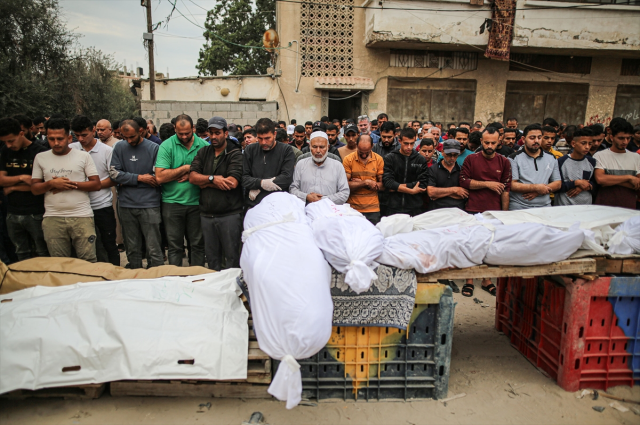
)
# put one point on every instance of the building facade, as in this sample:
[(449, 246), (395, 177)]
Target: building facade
[(425, 60)]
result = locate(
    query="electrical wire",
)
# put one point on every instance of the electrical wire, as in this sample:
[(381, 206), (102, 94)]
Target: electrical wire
[(342, 6)]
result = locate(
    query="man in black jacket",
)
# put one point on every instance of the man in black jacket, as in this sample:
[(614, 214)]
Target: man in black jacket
[(268, 165), (217, 169), (405, 176)]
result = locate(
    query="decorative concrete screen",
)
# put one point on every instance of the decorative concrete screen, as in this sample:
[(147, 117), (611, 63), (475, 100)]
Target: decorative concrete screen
[(326, 38)]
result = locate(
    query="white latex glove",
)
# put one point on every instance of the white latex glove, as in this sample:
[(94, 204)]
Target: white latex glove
[(253, 194), (269, 185)]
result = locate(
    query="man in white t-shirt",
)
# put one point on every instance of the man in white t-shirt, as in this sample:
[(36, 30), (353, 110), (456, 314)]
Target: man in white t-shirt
[(617, 169), (101, 201), (65, 176)]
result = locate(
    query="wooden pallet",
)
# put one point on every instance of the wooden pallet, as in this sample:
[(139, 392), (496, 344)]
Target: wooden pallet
[(618, 264), (580, 266), (89, 391), (185, 388)]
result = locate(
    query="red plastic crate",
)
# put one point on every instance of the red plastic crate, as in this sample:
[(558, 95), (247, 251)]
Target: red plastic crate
[(582, 334)]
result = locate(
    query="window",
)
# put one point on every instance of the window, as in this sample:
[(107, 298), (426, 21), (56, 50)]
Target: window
[(430, 59)]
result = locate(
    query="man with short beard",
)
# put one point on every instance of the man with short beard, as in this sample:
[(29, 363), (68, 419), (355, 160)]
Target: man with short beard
[(139, 195), (388, 142), (217, 170), (534, 173), (364, 170), (267, 165), (180, 198), (318, 177), (487, 178)]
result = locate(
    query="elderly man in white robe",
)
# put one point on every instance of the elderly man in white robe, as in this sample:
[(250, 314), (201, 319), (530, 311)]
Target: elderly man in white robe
[(318, 177)]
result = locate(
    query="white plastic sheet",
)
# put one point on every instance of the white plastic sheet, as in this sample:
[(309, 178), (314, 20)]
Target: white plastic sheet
[(626, 239), (436, 219), (129, 329), (529, 244), (427, 251), (289, 286), (597, 221), (349, 242)]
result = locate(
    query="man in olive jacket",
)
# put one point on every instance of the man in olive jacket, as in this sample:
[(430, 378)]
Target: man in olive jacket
[(217, 169)]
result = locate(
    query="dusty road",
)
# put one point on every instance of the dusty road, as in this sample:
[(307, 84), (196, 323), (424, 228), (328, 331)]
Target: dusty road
[(502, 387)]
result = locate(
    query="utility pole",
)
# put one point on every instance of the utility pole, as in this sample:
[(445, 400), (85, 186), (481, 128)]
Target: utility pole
[(149, 39)]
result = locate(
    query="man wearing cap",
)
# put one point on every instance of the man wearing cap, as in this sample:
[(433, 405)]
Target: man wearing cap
[(180, 198), (299, 138), (318, 176), (351, 137), (443, 184), (267, 165), (217, 170), (331, 131)]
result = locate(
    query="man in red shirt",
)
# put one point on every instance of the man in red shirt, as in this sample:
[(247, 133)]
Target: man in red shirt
[(487, 177)]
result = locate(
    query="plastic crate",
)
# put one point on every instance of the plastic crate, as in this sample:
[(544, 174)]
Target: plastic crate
[(584, 334), (375, 363)]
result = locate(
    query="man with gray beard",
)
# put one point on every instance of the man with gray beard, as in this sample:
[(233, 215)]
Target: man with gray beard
[(317, 177)]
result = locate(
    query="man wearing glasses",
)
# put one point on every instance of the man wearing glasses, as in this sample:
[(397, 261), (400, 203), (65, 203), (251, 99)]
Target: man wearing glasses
[(443, 184)]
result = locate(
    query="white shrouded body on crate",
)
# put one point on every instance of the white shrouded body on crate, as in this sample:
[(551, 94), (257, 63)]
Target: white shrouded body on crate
[(288, 281)]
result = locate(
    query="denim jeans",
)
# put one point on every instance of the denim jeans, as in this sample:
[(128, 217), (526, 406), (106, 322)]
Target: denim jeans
[(24, 230), (139, 224), (222, 236), (180, 221)]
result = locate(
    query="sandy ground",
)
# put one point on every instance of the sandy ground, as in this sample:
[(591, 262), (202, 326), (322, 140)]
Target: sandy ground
[(502, 387)]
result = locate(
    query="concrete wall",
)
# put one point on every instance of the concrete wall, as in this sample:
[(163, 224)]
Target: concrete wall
[(539, 26), (240, 113), (491, 75), (252, 87)]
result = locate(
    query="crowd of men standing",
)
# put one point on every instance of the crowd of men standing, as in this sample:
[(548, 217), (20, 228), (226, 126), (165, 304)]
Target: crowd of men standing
[(89, 189)]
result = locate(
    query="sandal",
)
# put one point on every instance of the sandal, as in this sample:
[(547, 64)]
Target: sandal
[(467, 289), (490, 288)]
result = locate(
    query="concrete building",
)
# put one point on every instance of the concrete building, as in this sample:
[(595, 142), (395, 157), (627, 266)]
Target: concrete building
[(576, 62), (425, 60)]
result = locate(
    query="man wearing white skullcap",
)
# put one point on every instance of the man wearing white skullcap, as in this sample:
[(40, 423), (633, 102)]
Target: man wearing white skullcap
[(317, 177)]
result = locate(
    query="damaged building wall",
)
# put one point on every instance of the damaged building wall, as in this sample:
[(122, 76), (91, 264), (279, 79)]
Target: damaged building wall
[(605, 35)]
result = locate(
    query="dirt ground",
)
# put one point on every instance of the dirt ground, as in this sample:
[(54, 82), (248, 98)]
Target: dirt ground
[(501, 387)]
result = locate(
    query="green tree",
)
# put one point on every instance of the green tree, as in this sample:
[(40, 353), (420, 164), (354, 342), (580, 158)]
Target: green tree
[(43, 71), (231, 25)]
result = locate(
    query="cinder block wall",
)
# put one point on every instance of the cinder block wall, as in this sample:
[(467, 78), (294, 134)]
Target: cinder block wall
[(241, 113)]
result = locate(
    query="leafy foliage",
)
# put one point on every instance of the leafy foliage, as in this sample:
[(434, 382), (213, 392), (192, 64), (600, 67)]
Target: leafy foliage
[(42, 71), (238, 23)]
